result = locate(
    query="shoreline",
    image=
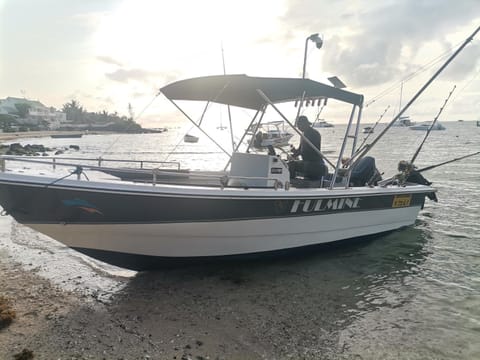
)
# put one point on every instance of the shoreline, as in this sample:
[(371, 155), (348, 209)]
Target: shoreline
[(7, 137), (31, 134)]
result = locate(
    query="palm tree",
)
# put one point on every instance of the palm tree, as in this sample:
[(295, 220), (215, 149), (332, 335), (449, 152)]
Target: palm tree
[(74, 111)]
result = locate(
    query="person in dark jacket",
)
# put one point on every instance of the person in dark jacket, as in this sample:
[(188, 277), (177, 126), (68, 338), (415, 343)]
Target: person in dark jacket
[(311, 165), (409, 173)]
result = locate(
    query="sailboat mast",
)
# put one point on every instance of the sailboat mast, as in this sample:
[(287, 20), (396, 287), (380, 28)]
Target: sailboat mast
[(400, 100)]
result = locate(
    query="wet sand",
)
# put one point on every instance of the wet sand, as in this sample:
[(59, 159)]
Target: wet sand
[(160, 316), (68, 307)]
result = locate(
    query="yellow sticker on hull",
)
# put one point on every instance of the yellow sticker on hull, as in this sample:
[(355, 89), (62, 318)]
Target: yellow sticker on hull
[(402, 201)]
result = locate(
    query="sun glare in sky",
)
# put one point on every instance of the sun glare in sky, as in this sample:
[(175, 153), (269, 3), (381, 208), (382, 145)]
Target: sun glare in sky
[(109, 54), (144, 46), (187, 36)]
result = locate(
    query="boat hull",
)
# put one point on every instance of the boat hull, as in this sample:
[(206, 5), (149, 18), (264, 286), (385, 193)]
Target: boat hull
[(226, 238), (189, 222)]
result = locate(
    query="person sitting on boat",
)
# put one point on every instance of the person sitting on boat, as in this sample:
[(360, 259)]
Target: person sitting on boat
[(409, 173), (312, 165), (257, 141)]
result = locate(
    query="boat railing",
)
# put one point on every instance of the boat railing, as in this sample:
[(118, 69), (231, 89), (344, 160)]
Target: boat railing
[(221, 179), (54, 161)]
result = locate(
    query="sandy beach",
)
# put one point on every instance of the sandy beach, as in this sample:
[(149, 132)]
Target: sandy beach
[(221, 311)]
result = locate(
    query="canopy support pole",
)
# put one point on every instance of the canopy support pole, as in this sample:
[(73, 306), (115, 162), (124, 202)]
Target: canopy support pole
[(243, 137), (199, 128), (294, 128), (342, 150)]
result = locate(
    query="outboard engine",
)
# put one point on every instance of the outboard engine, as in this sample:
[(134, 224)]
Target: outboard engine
[(365, 173)]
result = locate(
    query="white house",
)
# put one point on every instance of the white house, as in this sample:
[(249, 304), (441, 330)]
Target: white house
[(37, 112)]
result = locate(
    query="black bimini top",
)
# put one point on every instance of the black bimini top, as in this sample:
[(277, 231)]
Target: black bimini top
[(241, 90)]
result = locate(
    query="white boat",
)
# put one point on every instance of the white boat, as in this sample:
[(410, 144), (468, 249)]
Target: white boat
[(404, 121), (426, 126), (253, 207), (321, 124), (190, 138), (272, 133)]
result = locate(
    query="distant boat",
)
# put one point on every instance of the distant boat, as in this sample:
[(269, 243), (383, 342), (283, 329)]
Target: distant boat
[(321, 124), (478, 123), (154, 130), (367, 130), (190, 138), (404, 121), (426, 125), (272, 133), (66, 136)]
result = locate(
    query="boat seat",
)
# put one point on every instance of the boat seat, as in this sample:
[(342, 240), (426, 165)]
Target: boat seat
[(302, 183)]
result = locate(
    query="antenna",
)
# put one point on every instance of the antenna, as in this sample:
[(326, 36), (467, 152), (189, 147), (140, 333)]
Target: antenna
[(130, 111)]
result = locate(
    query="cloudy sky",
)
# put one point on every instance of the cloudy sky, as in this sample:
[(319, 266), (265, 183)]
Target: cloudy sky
[(109, 53)]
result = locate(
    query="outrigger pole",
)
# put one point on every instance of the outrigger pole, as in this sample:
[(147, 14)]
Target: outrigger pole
[(447, 162), (359, 154), (431, 126), (373, 128)]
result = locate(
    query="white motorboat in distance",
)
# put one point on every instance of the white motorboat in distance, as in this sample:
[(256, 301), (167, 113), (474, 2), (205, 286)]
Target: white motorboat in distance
[(255, 208), (322, 124), (426, 126), (404, 121), (272, 133)]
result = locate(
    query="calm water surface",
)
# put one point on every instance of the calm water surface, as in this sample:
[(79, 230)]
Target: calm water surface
[(412, 294)]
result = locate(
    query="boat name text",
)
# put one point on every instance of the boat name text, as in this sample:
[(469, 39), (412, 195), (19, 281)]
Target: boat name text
[(318, 205)]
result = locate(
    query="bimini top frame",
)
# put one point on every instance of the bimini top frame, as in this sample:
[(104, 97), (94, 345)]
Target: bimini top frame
[(241, 91), (256, 93)]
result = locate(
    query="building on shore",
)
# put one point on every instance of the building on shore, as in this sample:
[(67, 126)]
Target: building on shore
[(27, 113)]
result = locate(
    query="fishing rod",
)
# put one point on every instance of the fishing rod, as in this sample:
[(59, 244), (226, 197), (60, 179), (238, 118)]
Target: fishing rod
[(228, 106), (432, 125), (447, 162), (367, 148), (373, 128)]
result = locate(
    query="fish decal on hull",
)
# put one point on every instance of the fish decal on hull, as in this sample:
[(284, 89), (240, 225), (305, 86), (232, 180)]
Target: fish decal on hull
[(83, 205)]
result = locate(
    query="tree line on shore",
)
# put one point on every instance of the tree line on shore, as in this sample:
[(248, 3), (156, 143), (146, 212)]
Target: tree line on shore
[(78, 118)]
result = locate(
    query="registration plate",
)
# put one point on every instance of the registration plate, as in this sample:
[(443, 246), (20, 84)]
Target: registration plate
[(402, 201)]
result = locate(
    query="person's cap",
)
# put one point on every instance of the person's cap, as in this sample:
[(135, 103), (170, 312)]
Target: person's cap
[(303, 120)]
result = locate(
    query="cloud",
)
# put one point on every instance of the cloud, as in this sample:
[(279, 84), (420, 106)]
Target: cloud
[(109, 60), (465, 63), (373, 44), (124, 76)]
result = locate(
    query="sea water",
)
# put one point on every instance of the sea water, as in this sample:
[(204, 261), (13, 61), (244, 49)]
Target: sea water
[(414, 293)]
